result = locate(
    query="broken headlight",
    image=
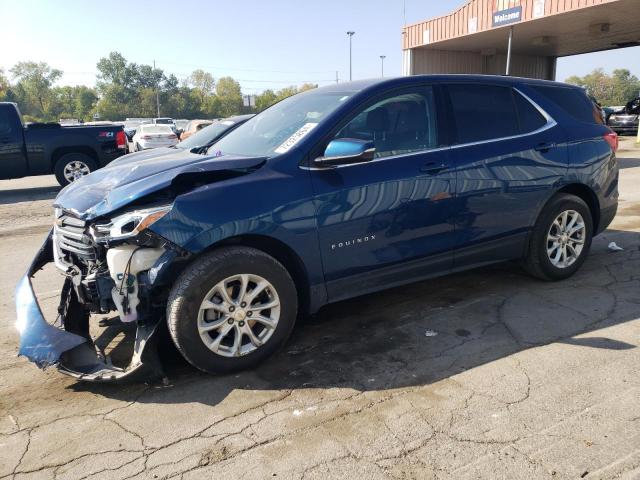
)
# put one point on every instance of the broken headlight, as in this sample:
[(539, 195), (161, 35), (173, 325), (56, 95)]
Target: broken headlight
[(128, 225)]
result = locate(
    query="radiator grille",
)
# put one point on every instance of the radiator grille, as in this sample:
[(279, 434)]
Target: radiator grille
[(71, 237)]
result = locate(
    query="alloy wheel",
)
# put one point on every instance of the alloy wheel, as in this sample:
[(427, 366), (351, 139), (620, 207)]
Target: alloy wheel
[(238, 315), (566, 239), (75, 170)]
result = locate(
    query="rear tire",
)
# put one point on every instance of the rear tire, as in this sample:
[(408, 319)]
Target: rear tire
[(213, 309), (72, 166), (561, 239)]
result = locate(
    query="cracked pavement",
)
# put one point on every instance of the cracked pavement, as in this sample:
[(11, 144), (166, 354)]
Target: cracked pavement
[(523, 380)]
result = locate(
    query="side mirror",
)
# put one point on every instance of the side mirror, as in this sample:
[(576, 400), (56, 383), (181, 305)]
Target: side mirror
[(346, 151)]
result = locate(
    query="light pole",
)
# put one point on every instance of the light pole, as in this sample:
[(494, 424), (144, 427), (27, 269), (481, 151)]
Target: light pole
[(351, 34), (382, 57)]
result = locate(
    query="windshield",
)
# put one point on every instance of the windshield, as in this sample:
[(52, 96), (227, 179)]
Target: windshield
[(280, 127), (205, 136)]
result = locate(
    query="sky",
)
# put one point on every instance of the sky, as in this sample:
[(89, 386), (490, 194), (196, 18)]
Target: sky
[(263, 44)]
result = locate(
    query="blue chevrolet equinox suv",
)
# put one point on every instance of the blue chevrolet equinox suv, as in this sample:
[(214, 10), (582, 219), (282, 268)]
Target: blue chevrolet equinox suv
[(330, 194)]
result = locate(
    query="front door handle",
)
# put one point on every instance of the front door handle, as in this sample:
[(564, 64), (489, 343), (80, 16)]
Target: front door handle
[(545, 147), (433, 168)]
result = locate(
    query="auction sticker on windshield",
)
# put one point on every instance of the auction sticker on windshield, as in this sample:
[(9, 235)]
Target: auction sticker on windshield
[(295, 138)]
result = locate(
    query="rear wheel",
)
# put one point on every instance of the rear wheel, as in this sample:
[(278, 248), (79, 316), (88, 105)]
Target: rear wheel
[(231, 309), (72, 166), (561, 238)]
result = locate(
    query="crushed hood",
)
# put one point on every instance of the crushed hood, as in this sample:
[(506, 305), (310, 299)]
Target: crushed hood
[(123, 182)]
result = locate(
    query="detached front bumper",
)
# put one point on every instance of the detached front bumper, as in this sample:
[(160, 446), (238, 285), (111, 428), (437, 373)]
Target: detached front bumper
[(69, 345)]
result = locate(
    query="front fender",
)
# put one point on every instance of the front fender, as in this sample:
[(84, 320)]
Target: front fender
[(274, 204)]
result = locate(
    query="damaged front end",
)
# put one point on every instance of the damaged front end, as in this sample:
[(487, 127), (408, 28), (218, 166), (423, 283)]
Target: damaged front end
[(109, 265), (113, 262)]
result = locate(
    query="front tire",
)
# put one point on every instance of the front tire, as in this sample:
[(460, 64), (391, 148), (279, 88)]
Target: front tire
[(231, 309), (561, 239), (72, 166)]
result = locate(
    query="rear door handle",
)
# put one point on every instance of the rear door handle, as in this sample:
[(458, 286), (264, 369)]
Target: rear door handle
[(545, 147), (433, 168)]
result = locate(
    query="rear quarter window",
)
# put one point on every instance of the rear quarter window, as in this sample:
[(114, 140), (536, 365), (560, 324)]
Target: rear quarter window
[(530, 117), (573, 101)]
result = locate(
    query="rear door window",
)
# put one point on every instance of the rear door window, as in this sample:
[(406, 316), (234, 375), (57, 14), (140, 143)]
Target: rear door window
[(573, 101), (483, 112)]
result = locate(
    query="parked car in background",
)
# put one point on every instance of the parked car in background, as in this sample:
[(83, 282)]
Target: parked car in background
[(611, 110), (131, 124), (330, 194), (625, 121), (165, 121), (201, 141), (181, 123), (198, 143), (69, 152), (153, 136), (194, 126)]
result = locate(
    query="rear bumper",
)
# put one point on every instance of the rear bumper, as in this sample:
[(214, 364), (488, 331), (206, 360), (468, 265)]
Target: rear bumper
[(624, 128), (149, 146), (68, 345)]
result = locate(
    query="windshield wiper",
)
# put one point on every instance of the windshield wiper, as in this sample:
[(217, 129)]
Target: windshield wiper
[(201, 150)]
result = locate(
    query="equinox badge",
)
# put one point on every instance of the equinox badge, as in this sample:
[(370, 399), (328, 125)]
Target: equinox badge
[(353, 242)]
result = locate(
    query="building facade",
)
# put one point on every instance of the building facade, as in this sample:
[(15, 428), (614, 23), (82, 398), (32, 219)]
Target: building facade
[(476, 37)]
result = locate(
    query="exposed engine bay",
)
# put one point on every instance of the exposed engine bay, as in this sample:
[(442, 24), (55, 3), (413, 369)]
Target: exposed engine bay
[(109, 266)]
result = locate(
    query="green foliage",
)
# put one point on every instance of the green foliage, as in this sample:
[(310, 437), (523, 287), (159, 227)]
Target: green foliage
[(203, 83), (125, 89), (33, 87), (616, 89), (229, 95), (4, 85)]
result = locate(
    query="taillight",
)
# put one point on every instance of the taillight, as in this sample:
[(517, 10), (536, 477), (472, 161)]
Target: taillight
[(121, 139), (612, 140), (173, 137)]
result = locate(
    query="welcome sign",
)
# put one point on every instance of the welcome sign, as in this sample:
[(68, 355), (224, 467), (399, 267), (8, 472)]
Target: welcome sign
[(506, 12)]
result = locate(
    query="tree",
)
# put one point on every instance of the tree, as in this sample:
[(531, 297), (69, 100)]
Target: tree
[(307, 86), (265, 100), (616, 89), (147, 76), (229, 95), (34, 82), (203, 83), (115, 70), (626, 85), (84, 102), (4, 85)]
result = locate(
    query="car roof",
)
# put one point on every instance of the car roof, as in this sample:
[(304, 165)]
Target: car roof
[(361, 85)]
